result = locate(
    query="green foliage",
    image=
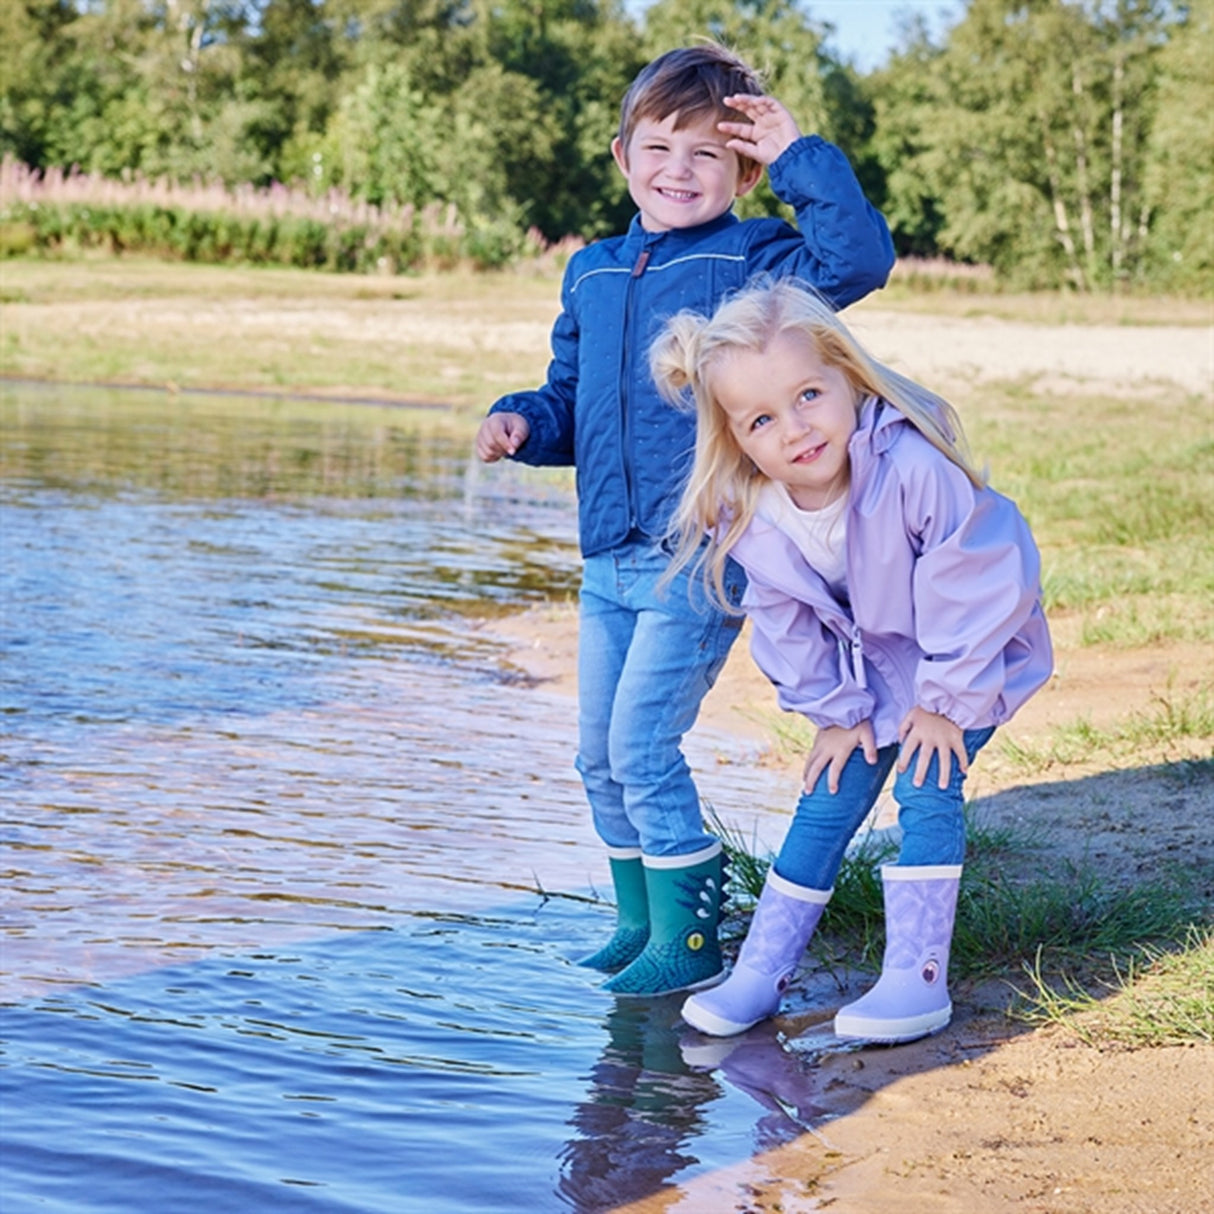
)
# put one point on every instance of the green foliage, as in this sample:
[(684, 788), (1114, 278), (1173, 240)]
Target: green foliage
[(68, 214), (1059, 141), (1179, 175)]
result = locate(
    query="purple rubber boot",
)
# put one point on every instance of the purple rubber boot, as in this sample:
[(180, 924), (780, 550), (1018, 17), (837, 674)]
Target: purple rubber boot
[(910, 999), (783, 922)]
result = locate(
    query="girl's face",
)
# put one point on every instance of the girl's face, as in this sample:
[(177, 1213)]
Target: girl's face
[(792, 415)]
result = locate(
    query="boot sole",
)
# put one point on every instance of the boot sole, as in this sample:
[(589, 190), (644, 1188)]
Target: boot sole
[(717, 1026), (673, 990), (892, 1032)]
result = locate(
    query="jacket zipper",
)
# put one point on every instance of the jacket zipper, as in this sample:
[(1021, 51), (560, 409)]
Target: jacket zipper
[(857, 657), (638, 269)]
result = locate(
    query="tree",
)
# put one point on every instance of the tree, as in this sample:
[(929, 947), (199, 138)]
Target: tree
[(1035, 137), (35, 77), (1180, 158), (905, 95)]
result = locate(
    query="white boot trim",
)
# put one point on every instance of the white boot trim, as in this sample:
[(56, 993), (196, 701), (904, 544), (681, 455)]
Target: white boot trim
[(624, 853), (802, 893), (696, 857), (922, 872)]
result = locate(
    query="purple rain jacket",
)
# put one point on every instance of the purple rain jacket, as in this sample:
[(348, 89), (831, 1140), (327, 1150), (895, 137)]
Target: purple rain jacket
[(944, 581)]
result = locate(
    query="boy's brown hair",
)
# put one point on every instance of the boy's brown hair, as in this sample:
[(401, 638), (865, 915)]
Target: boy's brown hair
[(691, 82)]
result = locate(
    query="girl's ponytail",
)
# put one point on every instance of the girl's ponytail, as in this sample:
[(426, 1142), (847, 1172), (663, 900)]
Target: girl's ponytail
[(672, 358)]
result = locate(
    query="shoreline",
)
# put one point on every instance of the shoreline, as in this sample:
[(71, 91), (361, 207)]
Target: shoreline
[(992, 1115)]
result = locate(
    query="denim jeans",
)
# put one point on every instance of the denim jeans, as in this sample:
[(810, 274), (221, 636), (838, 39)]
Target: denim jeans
[(646, 659), (931, 818)]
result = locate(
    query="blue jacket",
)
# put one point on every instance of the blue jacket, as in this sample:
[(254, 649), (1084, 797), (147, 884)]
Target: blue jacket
[(600, 409)]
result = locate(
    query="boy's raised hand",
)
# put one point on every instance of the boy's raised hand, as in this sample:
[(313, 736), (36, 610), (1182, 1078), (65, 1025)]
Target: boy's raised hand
[(769, 133), (501, 434)]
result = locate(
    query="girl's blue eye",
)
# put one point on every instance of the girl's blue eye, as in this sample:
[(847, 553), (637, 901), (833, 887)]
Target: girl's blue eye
[(810, 394), (761, 420)]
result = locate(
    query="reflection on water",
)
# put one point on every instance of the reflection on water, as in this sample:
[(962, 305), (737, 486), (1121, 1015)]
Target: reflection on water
[(293, 872)]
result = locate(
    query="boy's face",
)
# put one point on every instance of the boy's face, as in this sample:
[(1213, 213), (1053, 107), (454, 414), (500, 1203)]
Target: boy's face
[(682, 178)]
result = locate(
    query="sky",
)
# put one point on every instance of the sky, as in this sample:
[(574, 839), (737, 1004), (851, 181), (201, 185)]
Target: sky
[(866, 30)]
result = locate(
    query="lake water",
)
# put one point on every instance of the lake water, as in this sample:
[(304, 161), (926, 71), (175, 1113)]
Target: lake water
[(295, 863)]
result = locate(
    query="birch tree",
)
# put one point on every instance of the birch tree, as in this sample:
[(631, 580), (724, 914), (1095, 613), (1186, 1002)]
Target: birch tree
[(1036, 136)]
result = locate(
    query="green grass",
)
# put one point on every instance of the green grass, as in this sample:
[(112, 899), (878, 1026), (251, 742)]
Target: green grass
[(1170, 720), (948, 289), (1123, 524), (458, 340), (1161, 998)]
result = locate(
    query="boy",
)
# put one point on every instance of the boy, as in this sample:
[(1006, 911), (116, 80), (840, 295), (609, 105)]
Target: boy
[(695, 133)]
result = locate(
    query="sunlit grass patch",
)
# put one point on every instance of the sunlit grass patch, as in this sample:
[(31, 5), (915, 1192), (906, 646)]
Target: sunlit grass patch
[(1123, 525), (1171, 720), (1160, 998), (1019, 911)]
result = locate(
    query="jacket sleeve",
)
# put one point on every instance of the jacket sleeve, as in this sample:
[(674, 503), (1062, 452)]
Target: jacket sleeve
[(550, 409), (801, 656), (976, 583), (843, 248)]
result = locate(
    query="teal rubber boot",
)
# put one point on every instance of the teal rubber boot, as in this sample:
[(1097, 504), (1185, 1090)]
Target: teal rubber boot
[(632, 913), (683, 951)]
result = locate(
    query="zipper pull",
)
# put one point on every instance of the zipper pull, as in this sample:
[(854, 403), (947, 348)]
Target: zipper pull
[(857, 657), (641, 262)]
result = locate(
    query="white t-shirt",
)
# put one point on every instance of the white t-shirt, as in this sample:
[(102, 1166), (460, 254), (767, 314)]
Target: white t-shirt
[(820, 535)]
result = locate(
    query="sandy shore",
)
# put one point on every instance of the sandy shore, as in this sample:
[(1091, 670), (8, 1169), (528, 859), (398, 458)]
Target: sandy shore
[(989, 1116)]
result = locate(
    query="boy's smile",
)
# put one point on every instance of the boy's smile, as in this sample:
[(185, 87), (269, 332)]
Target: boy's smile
[(681, 178)]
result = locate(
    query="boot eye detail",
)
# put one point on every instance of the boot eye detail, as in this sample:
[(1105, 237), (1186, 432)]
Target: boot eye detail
[(931, 971), (695, 941)]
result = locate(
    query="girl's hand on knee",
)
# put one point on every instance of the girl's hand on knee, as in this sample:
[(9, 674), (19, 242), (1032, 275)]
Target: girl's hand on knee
[(930, 734), (833, 746)]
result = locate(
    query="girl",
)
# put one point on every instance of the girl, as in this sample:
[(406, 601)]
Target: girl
[(894, 600)]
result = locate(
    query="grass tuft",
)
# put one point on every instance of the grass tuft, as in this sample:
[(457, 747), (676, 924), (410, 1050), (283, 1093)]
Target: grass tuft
[(1171, 720), (1161, 998)]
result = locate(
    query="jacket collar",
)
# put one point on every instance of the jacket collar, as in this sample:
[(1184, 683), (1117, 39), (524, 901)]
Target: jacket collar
[(678, 238), (879, 425)]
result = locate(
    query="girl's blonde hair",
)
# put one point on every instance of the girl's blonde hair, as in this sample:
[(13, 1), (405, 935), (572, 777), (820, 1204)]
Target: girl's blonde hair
[(723, 491)]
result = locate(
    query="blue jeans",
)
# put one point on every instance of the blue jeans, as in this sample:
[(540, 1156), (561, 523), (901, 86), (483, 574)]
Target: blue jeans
[(646, 659), (931, 818)]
